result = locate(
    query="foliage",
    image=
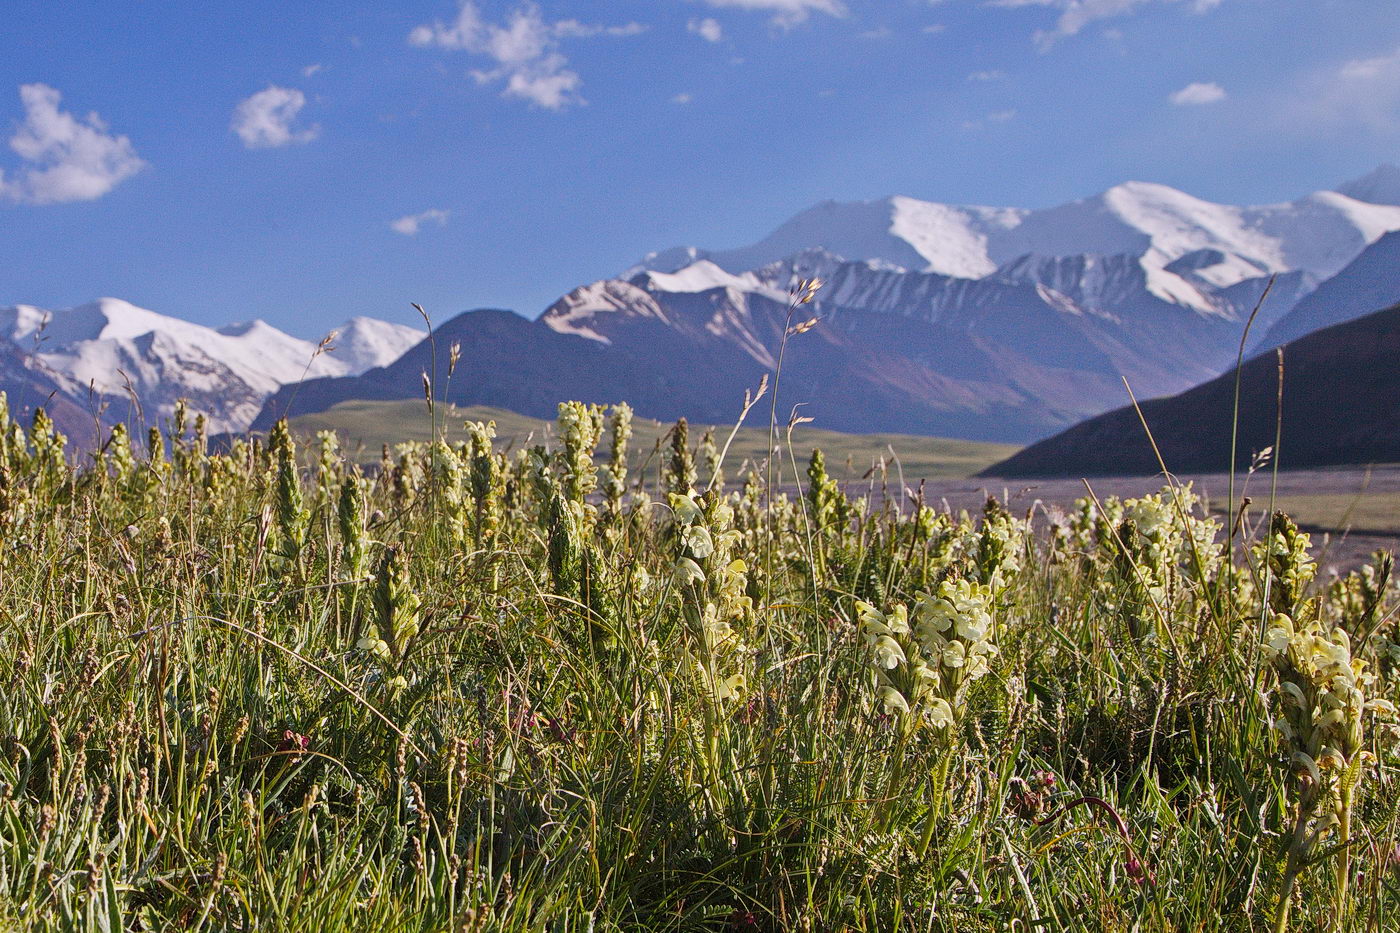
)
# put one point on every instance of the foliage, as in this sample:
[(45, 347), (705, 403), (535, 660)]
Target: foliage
[(482, 688)]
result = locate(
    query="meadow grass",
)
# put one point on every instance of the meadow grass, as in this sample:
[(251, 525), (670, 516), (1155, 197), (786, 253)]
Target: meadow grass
[(365, 426), (549, 690)]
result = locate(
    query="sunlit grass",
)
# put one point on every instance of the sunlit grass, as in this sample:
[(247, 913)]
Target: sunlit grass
[(466, 690)]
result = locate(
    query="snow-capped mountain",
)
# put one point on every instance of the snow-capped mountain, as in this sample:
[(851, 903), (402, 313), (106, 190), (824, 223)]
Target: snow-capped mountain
[(363, 343), (991, 323), (112, 353), (1157, 225), (1004, 357), (980, 322)]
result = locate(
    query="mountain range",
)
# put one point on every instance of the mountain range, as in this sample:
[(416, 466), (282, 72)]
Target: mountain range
[(977, 322), (985, 323), (112, 356)]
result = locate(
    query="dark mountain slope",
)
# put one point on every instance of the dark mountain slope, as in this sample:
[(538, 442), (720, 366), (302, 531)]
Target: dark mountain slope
[(1341, 405)]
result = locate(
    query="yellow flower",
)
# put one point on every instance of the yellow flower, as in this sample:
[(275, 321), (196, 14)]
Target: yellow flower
[(894, 700), (888, 654)]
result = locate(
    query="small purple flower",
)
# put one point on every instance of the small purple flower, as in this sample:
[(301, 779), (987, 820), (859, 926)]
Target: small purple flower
[(1138, 872)]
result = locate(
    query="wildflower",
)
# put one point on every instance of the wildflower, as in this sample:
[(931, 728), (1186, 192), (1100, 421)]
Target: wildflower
[(293, 743), (697, 540), (940, 714), (687, 510), (887, 652), (893, 700), (1138, 873), (1321, 702), (930, 663)]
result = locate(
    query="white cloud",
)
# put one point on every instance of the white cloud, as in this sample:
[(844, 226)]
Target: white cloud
[(786, 13), (1075, 15), (264, 121), (708, 29), (682, 99), (67, 158), (993, 75), (1369, 69), (525, 49), (412, 223), (310, 70), (934, 29), (1201, 92), (996, 116), (1363, 92), (573, 29)]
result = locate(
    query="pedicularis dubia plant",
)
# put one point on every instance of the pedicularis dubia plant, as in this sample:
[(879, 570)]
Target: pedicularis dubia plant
[(476, 686)]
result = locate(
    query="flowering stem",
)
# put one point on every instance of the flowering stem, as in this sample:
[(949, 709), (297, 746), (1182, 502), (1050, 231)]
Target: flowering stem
[(1291, 869), (938, 782), (893, 778), (1343, 856)]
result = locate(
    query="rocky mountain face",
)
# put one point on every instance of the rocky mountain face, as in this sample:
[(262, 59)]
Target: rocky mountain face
[(26, 389), (1341, 405)]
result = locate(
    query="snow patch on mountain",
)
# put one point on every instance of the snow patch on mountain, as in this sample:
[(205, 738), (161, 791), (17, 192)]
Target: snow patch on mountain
[(951, 240), (590, 311), (701, 276)]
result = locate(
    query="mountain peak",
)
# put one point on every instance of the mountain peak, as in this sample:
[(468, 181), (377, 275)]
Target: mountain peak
[(363, 343), (243, 328), (1380, 186)]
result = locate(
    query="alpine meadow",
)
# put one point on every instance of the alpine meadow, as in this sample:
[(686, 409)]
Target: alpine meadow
[(700, 466), (568, 688)]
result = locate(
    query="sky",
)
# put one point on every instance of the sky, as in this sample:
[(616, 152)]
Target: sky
[(304, 163)]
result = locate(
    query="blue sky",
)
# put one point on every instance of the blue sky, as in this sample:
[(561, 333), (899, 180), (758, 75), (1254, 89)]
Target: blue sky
[(267, 159)]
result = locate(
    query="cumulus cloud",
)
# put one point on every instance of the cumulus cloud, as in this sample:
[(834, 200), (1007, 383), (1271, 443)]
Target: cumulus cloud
[(66, 158), (412, 223), (264, 121), (1200, 92), (708, 29), (786, 13), (525, 49), (1075, 15)]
